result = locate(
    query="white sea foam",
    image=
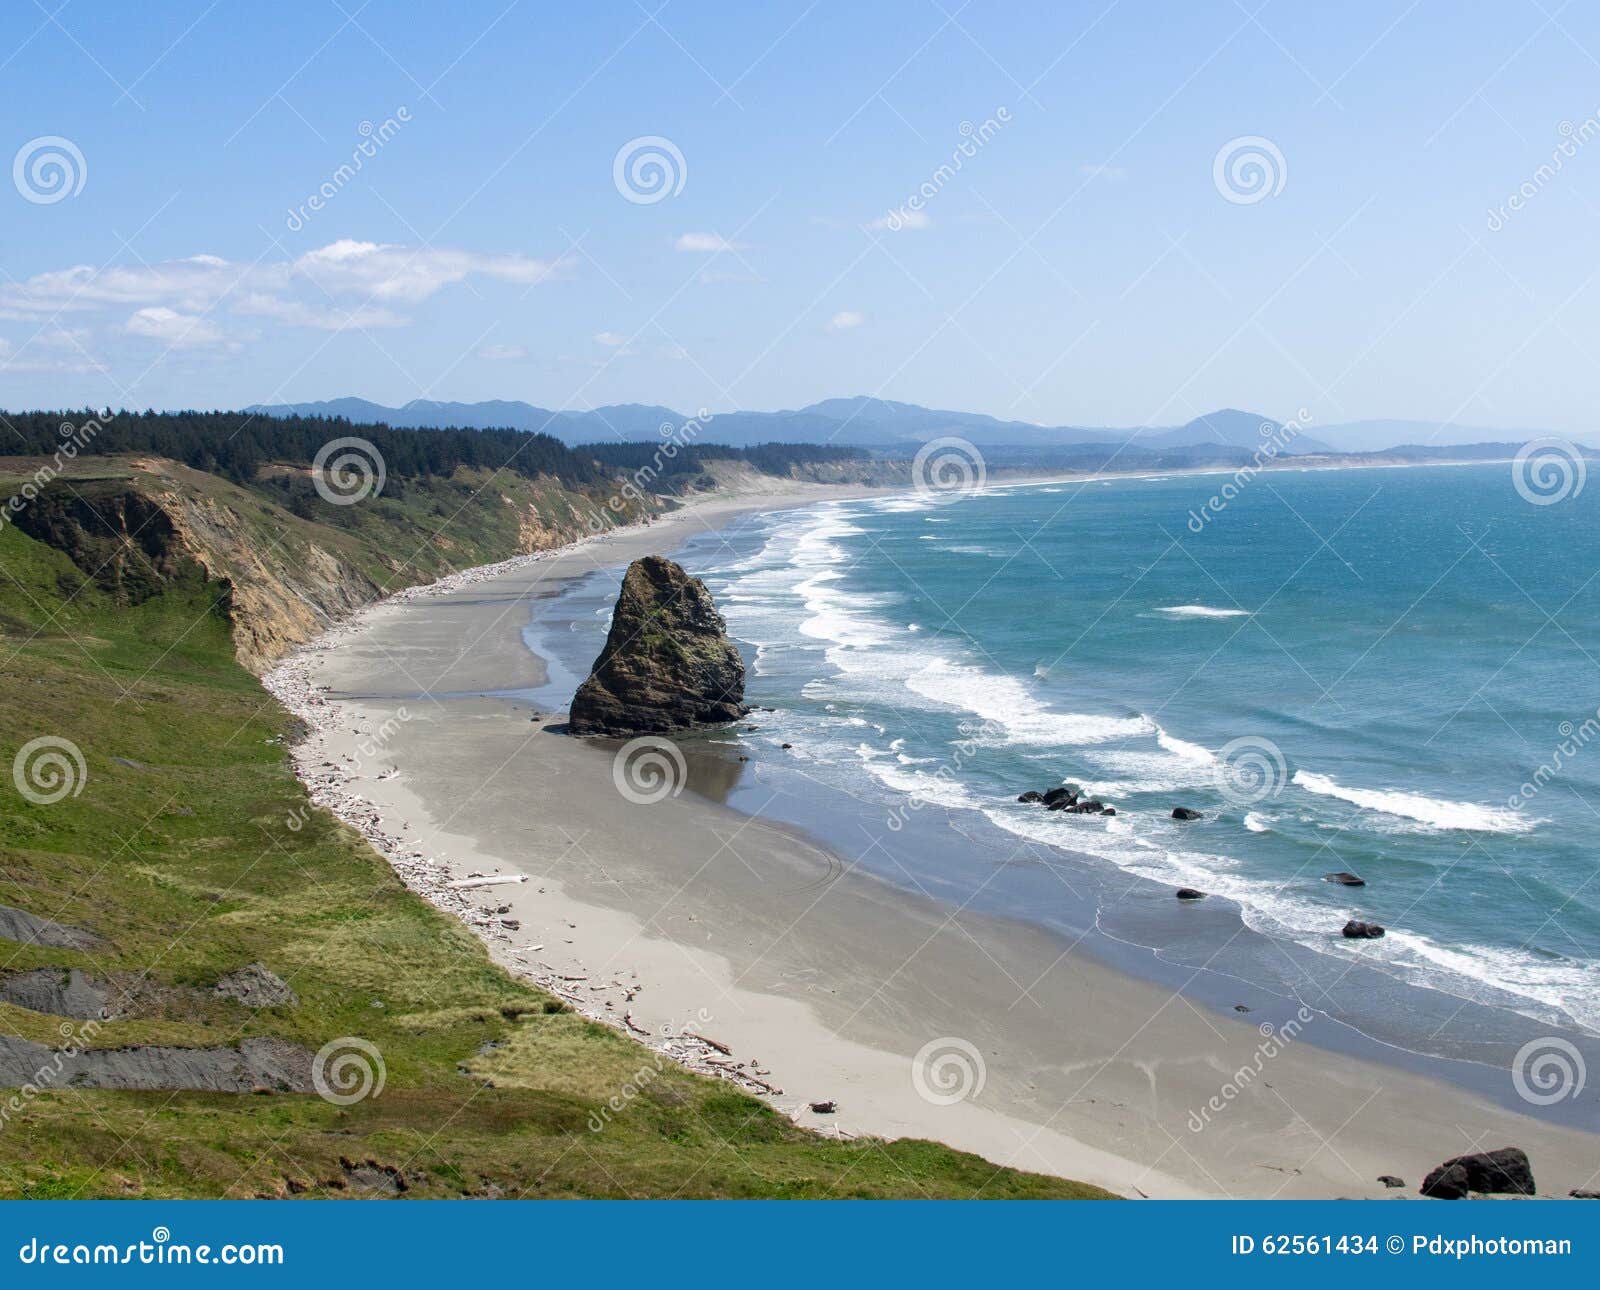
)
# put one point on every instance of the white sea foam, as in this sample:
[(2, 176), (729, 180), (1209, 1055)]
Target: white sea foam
[(1433, 812), (1257, 822), (1006, 702), (1201, 611), (1184, 749)]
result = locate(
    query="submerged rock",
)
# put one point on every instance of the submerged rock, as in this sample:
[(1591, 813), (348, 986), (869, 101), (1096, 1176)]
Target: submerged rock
[(667, 663), (1185, 813), (1344, 879), (1189, 893)]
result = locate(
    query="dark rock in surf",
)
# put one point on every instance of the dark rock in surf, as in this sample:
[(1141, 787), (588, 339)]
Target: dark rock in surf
[(1065, 796), (1505, 1171), (1185, 813), (1356, 930), (1092, 806), (1032, 795), (1189, 893), (667, 663), (1344, 879)]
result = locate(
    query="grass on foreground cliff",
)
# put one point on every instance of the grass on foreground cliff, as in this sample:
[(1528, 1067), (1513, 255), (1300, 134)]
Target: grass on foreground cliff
[(179, 852)]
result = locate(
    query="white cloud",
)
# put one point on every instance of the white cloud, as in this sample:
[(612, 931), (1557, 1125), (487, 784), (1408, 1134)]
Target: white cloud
[(897, 221), (179, 331), (55, 349), (502, 353), (398, 273), (846, 319), (329, 317), (707, 243), (346, 284), (611, 339)]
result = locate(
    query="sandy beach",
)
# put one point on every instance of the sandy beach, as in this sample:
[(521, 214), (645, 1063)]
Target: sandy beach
[(748, 950)]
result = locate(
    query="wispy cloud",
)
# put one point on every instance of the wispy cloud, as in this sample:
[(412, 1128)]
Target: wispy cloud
[(186, 302), (900, 220), (178, 331), (846, 320), (502, 353), (707, 243)]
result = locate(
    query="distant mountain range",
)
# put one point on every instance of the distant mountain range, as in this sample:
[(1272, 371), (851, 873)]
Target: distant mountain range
[(888, 427)]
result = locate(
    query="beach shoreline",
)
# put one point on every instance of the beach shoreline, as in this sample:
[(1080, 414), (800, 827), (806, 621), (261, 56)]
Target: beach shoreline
[(761, 942)]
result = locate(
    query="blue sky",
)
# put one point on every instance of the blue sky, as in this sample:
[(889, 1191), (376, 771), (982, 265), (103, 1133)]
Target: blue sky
[(1084, 265)]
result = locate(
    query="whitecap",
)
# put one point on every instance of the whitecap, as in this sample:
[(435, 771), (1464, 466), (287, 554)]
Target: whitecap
[(1201, 611), (1434, 812)]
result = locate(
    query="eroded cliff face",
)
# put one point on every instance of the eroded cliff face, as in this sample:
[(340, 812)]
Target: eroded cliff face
[(280, 579)]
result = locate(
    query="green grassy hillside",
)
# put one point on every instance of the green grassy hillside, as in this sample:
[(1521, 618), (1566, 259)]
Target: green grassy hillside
[(191, 850)]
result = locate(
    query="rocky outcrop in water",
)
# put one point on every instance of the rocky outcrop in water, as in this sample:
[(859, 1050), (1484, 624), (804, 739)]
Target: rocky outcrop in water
[(667, 663)]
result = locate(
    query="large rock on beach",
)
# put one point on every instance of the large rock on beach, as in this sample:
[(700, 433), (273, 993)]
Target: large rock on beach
[(1506, 1172), (667, 663)]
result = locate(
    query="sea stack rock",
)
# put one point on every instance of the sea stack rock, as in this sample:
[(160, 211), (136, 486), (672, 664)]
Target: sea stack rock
[(667, 663)]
